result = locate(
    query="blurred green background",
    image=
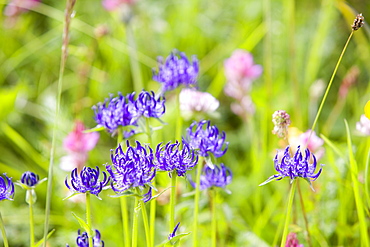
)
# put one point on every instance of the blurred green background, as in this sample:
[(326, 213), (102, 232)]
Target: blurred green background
[(296, 42)]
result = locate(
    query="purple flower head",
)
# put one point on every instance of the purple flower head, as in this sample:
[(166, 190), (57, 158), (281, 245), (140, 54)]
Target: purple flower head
[(133, 168), (170, 158), (88, 181), (176, 71), (214, 177), (30, 179), (116, 112), (83, 240), (173, 234), (148, 106), (292, 240), (6, 188), (206, 138), (295, 166)]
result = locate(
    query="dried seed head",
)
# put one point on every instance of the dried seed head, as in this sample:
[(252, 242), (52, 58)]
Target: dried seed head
[(358, 22)]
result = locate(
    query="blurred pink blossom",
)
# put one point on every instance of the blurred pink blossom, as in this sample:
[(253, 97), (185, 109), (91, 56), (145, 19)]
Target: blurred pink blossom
[(111, 5), (363, 125), (240, 71), (281, 121), (315, 144), (292, 240), (244, 107), (17, 7), (193, 101), (78, 144)]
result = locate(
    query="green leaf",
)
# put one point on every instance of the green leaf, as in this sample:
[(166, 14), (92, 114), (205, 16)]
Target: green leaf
[(174, 241), (39, 243), (82, 223)]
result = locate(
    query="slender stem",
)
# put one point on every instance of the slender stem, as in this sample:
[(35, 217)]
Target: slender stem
[(32, 232), (196, 201), (179, 120), (88, 218), (5, 239), (288, 212), (146, 223), (328, 89), (304, 215), (135, 223), (213, 195), (173, 200), (124, 213), (63, 59)]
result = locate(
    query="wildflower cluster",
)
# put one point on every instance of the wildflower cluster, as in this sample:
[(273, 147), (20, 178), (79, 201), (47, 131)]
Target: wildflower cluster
[(217, 176), (82, 240), (126, 111), (176, 70)]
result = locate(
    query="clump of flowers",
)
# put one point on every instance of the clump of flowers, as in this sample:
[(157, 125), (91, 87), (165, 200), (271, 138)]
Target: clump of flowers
[(295, 166), (206, 139), (6, 188), (171, 158), (82, 240), (88, 181), (133, 168), (292, 240), (177, 70), (148, 106), (363, 125), (240, 71), (216, 176), (281, 121), (78, 144), (193, 101)]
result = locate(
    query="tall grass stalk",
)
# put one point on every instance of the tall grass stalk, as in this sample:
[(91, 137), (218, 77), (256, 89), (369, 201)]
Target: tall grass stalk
[(308, 237), (135, 222), (173, 200), (5, 239), (88, 218), (213, 195), (146, 224), (63, 59), (196, 202), (288, 212)]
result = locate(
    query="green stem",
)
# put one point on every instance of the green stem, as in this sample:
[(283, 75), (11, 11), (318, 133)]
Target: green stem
[(304, 215), (88, 218), (196, 201), (5, 239), (328, 89), (146, 223), (288, 212), (63, 59), (32, 234), (213, 194), (173, 200), (135, 223), (124, 213)]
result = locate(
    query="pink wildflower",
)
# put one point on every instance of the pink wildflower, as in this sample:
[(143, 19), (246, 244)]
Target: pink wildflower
[(281, 121), (315, 144), (17, 7), (292, 240), (193, 101), (244, 107), (363, 125), (78, 144), (112, 5)]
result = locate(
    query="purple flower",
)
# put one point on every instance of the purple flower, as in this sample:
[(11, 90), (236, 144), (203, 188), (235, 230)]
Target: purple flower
[(214, 177), (173, 234), (148, 106), (6, 188), (171, 158), (116, 112), (134, 168), (88, 181), (176, 71), (206, 139), (83, 240), (295, 166), (30, 179)]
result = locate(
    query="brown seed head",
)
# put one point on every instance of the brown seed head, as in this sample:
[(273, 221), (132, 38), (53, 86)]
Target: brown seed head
[(358, 22)]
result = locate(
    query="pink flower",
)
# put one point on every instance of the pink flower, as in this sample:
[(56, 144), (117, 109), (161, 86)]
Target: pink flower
[(240, 71), (193, 101), (315, 144), (111, 5), (281, 121), (244, 107), (17, 7), (363, 125), (292, 240), (78, 144)]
